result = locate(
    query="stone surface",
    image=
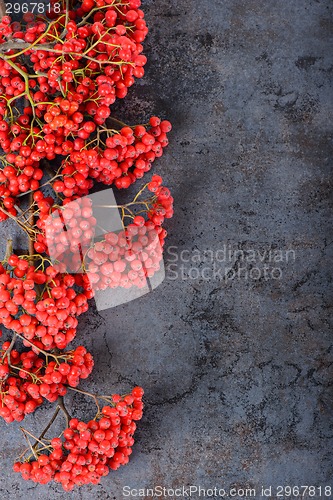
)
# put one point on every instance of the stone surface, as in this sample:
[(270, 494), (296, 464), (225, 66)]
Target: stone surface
[(237, 366)]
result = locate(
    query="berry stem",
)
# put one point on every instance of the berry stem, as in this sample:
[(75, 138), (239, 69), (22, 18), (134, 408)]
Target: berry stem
[(46, 354), (12, 45), (122, 124), (49, 48), (41, 186), (2, 9), (95, 397), (31, 222), (38, 440), (25, 46), (25, 432), (32, 375), (9, 249), (13, 217), (64, 32), (25, 77), (62, 407), (49, 424), (139, 193), (9, 350)]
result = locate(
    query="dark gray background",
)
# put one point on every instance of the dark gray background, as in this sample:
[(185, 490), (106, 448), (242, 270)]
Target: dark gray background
[(237, 374)]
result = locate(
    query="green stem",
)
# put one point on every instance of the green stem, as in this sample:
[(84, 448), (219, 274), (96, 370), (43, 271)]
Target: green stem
[(25, 76)]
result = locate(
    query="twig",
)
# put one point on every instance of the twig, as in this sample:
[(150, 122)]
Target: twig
[(28, 441), (46, 354), (2, 9), (48, 425), (31, 435), (39, 439), (13, 44), (112, 118), (9, 249), (95, 397), (18, 222), (9, 350), (63, 408), (31, 222), (64, 32)]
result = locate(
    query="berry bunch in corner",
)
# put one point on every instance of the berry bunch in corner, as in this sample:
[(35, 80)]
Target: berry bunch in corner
[(60, 74), (88, 450)]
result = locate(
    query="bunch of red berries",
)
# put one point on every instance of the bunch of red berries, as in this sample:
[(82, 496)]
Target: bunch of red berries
[(129, 153), (26, 378), (73, 367), (126, 259), (122, 259), (89, 450), (79, 71), (66, 228), (17, 372), (41, 305), (60, 74)]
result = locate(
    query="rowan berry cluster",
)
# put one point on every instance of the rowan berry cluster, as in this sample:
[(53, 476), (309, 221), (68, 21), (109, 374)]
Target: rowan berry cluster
[(26, 378), (66, 370), (41, 305), (130, 257), (60, 74), (90, 62), (69, 226), (89, 450), (17, 371)]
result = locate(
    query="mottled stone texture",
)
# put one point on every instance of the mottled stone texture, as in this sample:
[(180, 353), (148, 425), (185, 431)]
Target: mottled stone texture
[(237, 372)]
